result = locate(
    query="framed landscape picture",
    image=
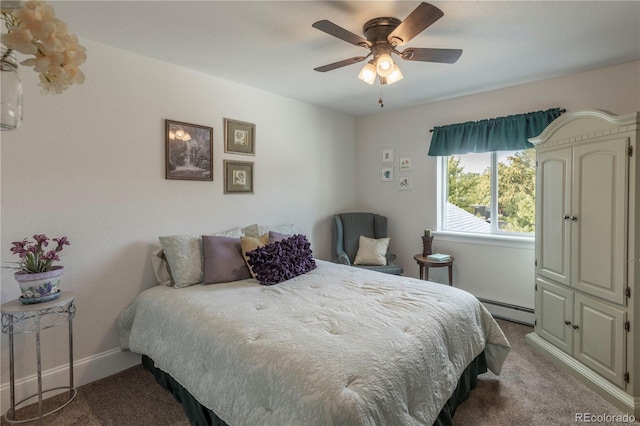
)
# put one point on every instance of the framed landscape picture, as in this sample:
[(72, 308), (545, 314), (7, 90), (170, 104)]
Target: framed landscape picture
[(189, 151), (239, 137), (238, 177)]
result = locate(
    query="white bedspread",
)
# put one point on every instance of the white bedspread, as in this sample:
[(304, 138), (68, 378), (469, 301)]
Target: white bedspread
[(339, 345)]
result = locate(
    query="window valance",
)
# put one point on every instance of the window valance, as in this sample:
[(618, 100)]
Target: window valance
[(508, 133)]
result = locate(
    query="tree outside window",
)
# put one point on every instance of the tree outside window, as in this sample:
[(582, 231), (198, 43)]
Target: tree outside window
[(479, 184)]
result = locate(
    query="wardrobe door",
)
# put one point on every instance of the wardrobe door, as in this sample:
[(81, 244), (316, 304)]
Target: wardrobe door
[(554, 315), (600, 338), (553, 219), (598, 219)]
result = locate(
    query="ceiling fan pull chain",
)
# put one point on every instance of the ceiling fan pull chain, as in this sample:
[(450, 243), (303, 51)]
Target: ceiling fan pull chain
[(380, 101)]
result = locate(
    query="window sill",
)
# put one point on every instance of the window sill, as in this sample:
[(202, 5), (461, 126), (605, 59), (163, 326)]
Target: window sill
[(509, 241)]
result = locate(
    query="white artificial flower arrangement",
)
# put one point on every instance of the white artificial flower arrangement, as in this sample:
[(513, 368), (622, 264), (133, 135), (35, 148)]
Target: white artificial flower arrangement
[(34, 30)]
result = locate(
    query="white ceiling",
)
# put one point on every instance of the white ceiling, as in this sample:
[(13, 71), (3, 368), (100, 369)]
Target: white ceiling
[(271, 45)]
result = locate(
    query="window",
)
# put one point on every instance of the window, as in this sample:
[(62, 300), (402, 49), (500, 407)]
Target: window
[(476, 185)]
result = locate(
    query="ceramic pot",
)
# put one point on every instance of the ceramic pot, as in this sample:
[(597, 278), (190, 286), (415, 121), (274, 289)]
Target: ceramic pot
[(41, 286), (426, 246)]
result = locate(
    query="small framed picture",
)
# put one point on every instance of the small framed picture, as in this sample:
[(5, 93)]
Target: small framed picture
[(386, 173), (189, 151), (387, 155), (405, 163), (404, 183), (239, 137), (238, 177)]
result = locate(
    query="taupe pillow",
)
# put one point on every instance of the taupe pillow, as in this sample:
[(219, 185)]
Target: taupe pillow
[(223, 260)]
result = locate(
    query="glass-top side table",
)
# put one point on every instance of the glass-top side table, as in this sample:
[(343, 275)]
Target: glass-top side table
[(18, 318)]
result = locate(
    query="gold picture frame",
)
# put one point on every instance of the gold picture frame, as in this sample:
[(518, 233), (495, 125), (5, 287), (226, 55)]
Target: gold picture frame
[(238, 177), (239, 137)]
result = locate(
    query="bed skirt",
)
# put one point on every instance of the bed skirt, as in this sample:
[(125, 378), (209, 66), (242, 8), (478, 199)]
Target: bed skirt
[(200, 415)]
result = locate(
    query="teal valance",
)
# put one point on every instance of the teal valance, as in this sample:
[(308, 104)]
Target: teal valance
[(510, 133)]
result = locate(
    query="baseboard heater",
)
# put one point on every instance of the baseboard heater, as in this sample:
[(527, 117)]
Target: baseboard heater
[(509, 312)]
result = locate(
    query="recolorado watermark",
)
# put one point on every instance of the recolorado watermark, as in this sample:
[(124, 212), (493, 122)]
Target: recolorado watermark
[(603, 418)]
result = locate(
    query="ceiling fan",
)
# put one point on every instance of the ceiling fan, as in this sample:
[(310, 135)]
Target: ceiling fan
[(383, 35)]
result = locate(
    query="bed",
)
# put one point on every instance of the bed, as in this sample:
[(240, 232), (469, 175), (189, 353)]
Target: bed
[(336, 345)]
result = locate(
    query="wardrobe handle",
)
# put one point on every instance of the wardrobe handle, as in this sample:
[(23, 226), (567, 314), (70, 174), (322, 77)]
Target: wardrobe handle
[(567, 322), (573, 218), (566, 217), (575, 326)]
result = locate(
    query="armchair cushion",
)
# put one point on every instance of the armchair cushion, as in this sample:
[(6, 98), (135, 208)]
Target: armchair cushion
[(372, 251)]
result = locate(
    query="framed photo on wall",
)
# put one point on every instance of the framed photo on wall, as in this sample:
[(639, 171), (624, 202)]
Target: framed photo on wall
[(189, 151), (387, 155), (405, 163), (239, 137), (386, 173), (238, 177), (404, 183)]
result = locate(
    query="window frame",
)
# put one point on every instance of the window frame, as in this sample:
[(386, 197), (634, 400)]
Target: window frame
[(495, 235)]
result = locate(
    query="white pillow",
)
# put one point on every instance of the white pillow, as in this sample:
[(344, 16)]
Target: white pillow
[(234, 233), (371, 251), (250, 231)]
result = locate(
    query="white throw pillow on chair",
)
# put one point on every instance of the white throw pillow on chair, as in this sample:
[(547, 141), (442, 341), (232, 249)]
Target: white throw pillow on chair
[(371, 251)]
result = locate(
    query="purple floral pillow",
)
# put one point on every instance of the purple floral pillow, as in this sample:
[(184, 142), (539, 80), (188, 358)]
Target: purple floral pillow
[(282, 260)]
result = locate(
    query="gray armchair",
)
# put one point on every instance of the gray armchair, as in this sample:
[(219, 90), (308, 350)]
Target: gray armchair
[(347, 228)]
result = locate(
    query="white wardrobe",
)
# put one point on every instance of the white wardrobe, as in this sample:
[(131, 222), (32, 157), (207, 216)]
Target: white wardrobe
[(587, 307)]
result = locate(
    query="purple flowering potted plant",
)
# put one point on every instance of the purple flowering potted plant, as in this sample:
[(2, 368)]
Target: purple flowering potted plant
[(38, 278)]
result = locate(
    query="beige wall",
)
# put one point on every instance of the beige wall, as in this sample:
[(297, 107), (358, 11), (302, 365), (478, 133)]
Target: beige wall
[(89, 164), (489, 269)]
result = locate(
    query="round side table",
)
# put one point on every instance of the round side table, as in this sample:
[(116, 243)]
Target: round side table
[(425, 264), (18, 318)]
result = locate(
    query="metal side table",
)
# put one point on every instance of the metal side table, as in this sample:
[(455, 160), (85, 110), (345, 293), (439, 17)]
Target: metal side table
[(18, 318)]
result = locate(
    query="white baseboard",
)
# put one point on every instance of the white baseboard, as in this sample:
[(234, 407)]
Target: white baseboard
[(85, 371), (509, 312)]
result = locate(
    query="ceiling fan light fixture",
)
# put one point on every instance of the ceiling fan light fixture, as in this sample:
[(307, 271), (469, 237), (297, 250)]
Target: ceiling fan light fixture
[(396, 75), (368, 73), (385, 65)]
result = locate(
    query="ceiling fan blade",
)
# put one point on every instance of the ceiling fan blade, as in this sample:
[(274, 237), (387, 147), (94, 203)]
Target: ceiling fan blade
[(336, 31), (417, 21), (446, 56), (341, 64)]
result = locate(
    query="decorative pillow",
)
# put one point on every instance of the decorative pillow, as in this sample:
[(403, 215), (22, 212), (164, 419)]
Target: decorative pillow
[(160, 267), (223, 260), (282, 260), (251, 243), (277, 236), (184, 256), (372, 251), (235, 233), (251, 231)]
